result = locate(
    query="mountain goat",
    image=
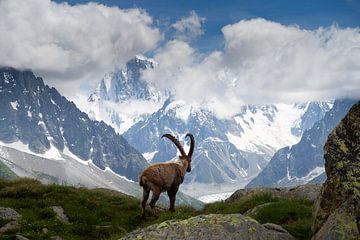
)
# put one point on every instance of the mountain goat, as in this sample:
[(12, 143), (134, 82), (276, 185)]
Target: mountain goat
[(167, 177)]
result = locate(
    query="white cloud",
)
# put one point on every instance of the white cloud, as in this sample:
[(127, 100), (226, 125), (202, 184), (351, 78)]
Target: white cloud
[(263, 62), (60, 41), (188, 28)]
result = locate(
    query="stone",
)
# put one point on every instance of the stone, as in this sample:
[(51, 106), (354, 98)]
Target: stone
[(9, 227), (275, 227), (309, 192), (56, 238), (337, 211), (212, 226), (9, 214), (60, 215), (19, 237)]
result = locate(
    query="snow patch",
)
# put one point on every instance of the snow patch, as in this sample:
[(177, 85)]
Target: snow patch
[(53, 153), (8, 77), (107, 169), (267, 130), (67, 152), (317, 171), (215, 197), (149, 155), (14, 105)]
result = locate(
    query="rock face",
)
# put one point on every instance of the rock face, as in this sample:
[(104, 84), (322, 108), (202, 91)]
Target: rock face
[(37, 116), (213, 226), (337, 211)]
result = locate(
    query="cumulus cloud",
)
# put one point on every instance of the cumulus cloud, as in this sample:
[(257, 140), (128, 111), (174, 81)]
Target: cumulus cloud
[(262, 62), (60, 41), (188, 28)]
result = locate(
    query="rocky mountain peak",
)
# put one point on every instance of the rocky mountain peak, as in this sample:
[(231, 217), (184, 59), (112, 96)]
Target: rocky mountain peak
[(126, 84), (38, 119)]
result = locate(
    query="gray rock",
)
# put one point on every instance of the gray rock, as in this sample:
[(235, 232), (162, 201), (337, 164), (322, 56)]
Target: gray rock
[(341, 224), (308, 191), (275, 227), (19, 237), (60, 215), (11, 226), (9, 214), (56, 238), (336, 213), (213, 226)]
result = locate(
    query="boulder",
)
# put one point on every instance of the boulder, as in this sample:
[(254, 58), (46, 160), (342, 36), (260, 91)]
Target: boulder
[(212, 226), (309, 192), (60, 215), (9, 214), (10, 227), (337, 210)]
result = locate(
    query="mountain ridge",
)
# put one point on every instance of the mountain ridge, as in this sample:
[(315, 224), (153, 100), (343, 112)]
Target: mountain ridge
[(304, 161), (39, 117)]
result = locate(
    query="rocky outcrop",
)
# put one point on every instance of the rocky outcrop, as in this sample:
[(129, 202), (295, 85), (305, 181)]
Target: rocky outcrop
[(12, 218), (213, 226), (309, 192), (337, 210)]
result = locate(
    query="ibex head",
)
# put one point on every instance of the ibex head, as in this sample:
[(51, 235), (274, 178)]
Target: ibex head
[(183, 156)]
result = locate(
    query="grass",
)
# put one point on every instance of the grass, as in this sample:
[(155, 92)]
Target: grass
[(106, 214), (293, 215)]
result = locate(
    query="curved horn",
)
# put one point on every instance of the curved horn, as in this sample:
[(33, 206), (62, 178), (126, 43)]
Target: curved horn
[(192, 144), (176, 142)]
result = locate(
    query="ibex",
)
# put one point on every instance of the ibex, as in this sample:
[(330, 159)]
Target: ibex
[(168, 176)]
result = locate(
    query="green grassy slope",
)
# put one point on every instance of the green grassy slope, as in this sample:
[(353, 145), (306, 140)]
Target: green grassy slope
[(105, 214)]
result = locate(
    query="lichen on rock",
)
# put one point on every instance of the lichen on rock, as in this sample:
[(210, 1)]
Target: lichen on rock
[(212, 226), (337, 210)]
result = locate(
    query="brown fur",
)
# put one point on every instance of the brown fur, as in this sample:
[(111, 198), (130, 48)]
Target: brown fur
[(163, 177)]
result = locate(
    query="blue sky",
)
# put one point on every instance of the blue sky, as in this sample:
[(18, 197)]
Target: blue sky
[(263, 51), (308, 14)]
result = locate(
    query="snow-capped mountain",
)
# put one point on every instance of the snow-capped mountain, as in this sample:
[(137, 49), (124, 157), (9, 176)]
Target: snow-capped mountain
[(304, 161), (74, 172), (37, 119), (229, 152), (125, 84), (44, 136), (122, 98)]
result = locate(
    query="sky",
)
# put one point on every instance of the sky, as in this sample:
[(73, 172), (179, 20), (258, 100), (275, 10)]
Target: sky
[(309, 14), (217, 54)]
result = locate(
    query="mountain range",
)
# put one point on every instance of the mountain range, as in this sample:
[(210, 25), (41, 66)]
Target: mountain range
[(304, 161), (45, 136), (120, 132), (229, 152), (39, 119)]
